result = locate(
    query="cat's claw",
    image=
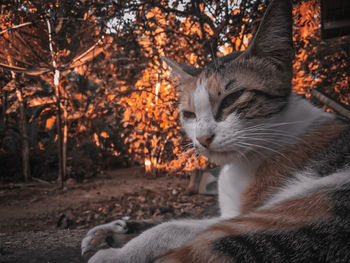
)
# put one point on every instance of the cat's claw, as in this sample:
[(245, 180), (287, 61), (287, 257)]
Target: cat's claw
[(103, 236)]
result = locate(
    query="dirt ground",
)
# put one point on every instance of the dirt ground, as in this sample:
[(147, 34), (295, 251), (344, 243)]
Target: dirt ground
[(41, 223)]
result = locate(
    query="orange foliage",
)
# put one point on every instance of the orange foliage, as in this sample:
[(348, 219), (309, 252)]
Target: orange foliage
[(151, 112), (50, 122), (308, 25)]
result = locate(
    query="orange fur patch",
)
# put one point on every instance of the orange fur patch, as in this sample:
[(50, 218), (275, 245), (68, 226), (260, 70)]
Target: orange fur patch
[(213, 84), (273, 172), (289, 215), (185, 94), (186, 89)]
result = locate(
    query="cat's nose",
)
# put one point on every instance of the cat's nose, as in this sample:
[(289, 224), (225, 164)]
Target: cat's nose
[(206, 140)]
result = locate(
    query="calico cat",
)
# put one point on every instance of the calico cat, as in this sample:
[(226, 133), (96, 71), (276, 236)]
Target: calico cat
[(284, 189)]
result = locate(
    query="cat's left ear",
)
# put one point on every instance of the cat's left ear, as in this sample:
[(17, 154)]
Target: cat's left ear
[(181, 73), (273, 39)]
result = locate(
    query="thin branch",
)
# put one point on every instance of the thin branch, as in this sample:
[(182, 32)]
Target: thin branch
[(86, 56), (32, 72), (50, 43), (14, 27)]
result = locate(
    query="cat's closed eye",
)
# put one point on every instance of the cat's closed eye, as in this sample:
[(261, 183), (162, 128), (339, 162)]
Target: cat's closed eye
[(188, 114), (230, 99), (227, 102)]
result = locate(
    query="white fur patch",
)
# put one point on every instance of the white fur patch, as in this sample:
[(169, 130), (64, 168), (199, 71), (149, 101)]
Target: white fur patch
[(201, 100), (205, 123), (233, 180), (298, 117), (306, 183)]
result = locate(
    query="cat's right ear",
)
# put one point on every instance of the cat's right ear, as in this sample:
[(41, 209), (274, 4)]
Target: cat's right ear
[(181, 73), (273, 39)]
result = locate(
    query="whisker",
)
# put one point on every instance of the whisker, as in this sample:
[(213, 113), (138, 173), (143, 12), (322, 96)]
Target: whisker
[(189, 151), (280, 123), (242, 154), (276, 134), (266, 148), (267, 126), (251, 149), (187, 146), (270, 132), (268, 140)]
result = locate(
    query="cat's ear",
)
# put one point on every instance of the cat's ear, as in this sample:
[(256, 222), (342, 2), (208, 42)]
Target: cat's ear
[(181, 73), (273, 39)]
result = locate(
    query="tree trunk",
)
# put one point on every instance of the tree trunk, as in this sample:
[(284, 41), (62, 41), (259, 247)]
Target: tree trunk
[(60, 134), (24, 133), (61, 140), (4, 107), (65, 136), (61, 173)]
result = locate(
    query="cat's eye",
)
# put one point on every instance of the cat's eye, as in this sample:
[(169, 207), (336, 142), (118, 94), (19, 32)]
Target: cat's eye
[(188, 114), (230, 99), (227, 102)]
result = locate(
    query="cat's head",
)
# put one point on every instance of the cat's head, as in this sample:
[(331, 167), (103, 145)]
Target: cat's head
[(221, 103)]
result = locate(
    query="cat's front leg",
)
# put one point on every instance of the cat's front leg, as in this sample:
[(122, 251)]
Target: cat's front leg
[(154, 242), (114, 234), (111, 255)]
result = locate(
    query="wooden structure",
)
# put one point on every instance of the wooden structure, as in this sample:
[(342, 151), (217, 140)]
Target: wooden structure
[(335, 18)]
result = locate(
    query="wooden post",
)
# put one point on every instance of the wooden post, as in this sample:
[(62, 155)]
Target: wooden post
[(195, 180), (330, 103)]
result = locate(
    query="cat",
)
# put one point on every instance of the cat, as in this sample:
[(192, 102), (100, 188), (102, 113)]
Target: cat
[(284, 187)]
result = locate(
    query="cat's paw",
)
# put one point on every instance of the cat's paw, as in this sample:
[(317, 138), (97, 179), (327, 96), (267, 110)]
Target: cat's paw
[(107, 256), (104, 236)]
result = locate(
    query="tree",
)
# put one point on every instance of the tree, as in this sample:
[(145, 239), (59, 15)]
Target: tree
[(28, 50)]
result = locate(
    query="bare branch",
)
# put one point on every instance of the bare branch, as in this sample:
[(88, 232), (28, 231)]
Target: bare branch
[(86, 56), (32, 72), (14, 27)]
